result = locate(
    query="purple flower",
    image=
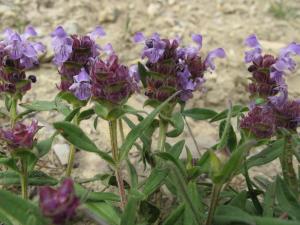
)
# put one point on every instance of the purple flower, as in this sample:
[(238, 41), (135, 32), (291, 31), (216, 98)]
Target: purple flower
[(254, 54), (81, 86), (59, 204), (260, 121), (74, 54), (284, 61), (112, 81), (20, 136), (154, 47), (176, 68), (217, 53), (18, 47)]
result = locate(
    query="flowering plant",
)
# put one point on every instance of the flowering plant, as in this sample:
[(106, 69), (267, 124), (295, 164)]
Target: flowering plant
[(96, 84)]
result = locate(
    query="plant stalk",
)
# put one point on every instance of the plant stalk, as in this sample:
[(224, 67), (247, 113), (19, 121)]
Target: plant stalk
[(24, 179), (13, 111), (72, 151), (115, 155), (121, 130), (287, 165), (163, 127), (193, 137), (213, 204)]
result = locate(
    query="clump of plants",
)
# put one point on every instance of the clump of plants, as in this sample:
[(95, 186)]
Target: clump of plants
[(95, 84)]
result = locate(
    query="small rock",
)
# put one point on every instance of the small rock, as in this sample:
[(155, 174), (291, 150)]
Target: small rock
[(62, 153), (153, 9), (108, 15)]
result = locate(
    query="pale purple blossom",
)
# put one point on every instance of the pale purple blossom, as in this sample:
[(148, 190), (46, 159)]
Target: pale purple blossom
[(81, 86), (255, 53), (217, 53)]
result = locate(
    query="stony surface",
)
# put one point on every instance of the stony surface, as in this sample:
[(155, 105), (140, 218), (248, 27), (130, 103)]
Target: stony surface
[(222, 23)]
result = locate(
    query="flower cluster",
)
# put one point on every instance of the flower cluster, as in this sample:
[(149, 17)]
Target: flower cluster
[(73, 54), (59, 204), (268, 83), (112, 81), (20, 136), (17, 54), (173, 68)]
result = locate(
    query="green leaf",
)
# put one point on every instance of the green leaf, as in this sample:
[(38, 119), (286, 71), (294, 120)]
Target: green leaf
[(176, 149), (44, 146), (86, 114), (143, 73), (178, 123), (70, 98), (231, 138), (72, 114), (267, 155), (133, 175), (168, 157), (269, 201), (103, 212), (224, 139), (227, 215), (236, 110), (35, 178), (174, 215), (286, 199), (40, 105), (78, 138), (199, 113), (155, 180), (9, 162), (233, 164), (18, 210), (136, 132), (129, 215), (90, 196), (101, 110)]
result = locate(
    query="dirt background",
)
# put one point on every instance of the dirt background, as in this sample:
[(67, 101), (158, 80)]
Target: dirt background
[(223, 23)]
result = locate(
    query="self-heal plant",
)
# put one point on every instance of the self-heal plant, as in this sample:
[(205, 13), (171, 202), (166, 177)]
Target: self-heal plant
[(73, 56), (17, 55), (271, 110), (59, 204), (171, 68), (20, 139), (112, 84)]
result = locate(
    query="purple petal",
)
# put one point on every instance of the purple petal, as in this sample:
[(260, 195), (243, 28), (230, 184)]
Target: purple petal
[(198, 39), (133, 72), (217, 53), (97, 33), (252, 41), (139, 37), (82, 76), (108, 49), (39, 47), (59, 32), (29, 32), (252, 55), (291, 48)]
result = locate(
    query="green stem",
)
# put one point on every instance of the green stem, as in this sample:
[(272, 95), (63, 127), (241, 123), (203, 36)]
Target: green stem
[(115, 155), (24, 179), (213, 204), (163, 127), (287, 165), (121, 130), (13, 111), (72, 151)]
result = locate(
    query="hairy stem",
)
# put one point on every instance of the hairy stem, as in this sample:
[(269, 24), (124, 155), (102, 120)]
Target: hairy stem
[(13, 111), (72, 151), (121, 130), (287, 166), (213, 203), (115, 155), (24, 179), (163, 127)]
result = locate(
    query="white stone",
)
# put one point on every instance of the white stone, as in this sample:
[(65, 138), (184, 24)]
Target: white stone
[(62, 152)]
